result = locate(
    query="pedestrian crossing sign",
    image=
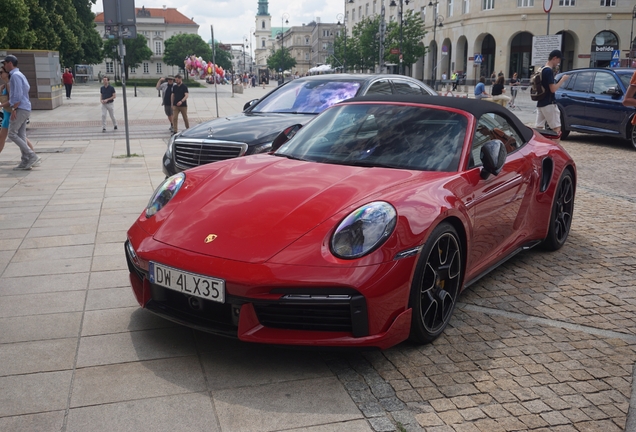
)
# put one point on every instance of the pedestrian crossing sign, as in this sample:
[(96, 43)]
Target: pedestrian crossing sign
[(616, 55)]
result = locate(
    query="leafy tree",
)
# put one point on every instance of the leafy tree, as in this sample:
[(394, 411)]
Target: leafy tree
[(181, 46), (280, 58), (412, 35), (15, 32), (366, 45), (222, 58), (136, 51)]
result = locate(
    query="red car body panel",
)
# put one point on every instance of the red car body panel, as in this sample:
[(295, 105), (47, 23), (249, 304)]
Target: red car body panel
[(284, 213)]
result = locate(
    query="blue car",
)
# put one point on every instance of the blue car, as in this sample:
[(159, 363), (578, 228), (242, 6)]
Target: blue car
[(591, 101)]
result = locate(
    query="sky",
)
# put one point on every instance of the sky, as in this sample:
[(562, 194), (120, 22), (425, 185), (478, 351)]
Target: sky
[(234, 19)]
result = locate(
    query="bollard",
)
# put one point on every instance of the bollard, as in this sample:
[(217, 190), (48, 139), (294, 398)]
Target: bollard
[(135, 90)]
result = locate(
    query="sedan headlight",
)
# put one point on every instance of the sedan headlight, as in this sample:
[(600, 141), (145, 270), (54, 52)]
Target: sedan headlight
[(364, 230), (261, 148), (164, 193), (170, 146)]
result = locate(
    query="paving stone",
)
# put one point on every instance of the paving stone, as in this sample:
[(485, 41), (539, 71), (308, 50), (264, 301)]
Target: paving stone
[(382, 424)]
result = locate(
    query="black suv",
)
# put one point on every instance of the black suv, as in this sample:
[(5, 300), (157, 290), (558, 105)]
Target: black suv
[(591, 101)]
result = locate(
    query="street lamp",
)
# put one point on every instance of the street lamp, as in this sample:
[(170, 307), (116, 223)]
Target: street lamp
[(244, 64), (438, 21), (252, 55), (631, 38), (342, 20), (400, 13), (284, 18)]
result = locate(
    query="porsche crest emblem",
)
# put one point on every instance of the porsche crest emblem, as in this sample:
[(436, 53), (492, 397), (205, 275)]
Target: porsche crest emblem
[(210, 238)]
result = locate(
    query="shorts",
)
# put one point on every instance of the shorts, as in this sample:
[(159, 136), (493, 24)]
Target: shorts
[(5, 120), (550, 114), (167, 109)]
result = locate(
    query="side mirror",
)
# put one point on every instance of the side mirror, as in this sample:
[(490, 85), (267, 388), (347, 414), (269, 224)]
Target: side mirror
[(285, 136), (249, 104), (614, 91), (493, 157)]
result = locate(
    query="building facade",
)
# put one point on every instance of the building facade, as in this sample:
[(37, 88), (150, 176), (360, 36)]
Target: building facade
[(500, 33), (157, 25)]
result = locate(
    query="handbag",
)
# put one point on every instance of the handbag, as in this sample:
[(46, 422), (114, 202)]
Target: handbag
[(3, 99)]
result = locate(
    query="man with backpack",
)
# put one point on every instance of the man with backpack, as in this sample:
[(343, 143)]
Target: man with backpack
[(547, 110)]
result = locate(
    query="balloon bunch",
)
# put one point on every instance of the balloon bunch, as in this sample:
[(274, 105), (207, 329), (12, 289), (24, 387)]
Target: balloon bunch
[(196, 67)]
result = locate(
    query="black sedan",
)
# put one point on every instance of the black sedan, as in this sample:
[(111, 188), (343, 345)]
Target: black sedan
[(283, 109)]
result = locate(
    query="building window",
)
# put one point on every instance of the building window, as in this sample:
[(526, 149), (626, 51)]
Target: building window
[(159, 68), (360, 12), (465, 7), (262, 43), (567, 2), (306, 56), (133, 70), (423, 13), (353, 15), (146, 68), (450, 8), (366, 9), (488, 4), (525, 3), (306, 40), (110, 68), (374, 6), (608, 3), (158, 34), (325, 45), (157, 48), (263, 24)]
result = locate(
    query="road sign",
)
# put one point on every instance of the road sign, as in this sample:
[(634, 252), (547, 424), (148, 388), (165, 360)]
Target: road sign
[(394, 51), (616, 58), (547, 5), (478, 59)]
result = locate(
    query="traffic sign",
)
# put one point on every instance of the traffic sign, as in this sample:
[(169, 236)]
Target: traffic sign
[(547, 5), (478, 59), (394, 51)]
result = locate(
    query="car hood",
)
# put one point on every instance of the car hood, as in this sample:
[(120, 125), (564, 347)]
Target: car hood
[(258, 205), (246, 127)]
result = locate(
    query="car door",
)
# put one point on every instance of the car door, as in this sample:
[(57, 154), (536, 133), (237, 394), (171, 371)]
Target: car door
[(497, 205), (605, 112), (573, 97)]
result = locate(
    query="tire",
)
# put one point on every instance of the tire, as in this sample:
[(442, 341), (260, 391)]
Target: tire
[(631, 136), (561, 213), (564, 132), (436, 284)]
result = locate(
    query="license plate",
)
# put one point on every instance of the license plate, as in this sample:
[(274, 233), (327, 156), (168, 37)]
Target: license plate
[(204, 287)]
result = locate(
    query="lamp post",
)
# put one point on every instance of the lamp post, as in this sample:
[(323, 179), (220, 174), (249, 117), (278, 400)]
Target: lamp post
[(631, 38), (244, 64), (400, 13), (284, 19), (252, 59), (342, 21), (438, 21)]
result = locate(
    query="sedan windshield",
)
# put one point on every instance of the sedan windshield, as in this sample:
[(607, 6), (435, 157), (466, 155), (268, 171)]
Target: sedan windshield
[(382, 135), (307, 97)]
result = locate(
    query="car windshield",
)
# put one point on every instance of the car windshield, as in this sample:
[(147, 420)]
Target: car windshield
[(382, 135), (307, 97), (625, 78)]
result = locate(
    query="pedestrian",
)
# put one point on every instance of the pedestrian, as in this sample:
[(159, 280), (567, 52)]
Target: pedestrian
[(629, 100), (165, 86), (514, 83), (68, 80), (455, 79), (547, 110), (253, 78), (443, 76), (263, 80), (493, 77), (480, 89), (498, 90), (106, 97), (179, 103), (500, 74), (20, 112), (6, 114)]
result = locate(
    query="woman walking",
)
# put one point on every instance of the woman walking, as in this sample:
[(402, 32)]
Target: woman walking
[(514, 83)]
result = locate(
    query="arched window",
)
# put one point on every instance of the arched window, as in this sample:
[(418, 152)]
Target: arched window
[(263, 24)]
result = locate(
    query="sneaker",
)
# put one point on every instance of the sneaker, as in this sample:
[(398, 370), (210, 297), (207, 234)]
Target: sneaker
[(171, 129), (38, 162), (115, 127), (22, 167), (32, 160)]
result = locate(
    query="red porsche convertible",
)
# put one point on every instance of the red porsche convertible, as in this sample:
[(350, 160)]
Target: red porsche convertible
[(360, 230)]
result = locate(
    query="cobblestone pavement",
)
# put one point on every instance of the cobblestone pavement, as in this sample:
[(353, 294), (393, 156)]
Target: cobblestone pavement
[(545, 342)]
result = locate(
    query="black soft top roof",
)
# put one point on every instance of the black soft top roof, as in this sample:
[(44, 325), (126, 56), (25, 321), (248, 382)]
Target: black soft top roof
[(473, 106)]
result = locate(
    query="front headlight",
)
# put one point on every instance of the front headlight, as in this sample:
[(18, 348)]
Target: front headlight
[(364, 230), (261, 148), (164, 193), (170, 146)]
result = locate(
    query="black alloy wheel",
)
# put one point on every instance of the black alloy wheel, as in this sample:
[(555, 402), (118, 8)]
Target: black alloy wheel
[(562, 210), (436, 284), (564, 132), (631, 135)]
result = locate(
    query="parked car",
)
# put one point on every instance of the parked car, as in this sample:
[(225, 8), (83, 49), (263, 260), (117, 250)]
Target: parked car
[(591, 102), (361, 230), (295, 102)]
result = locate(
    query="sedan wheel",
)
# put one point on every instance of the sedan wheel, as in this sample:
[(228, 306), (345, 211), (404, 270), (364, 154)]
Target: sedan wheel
[(632, 136), (561, 217), (436, 284)]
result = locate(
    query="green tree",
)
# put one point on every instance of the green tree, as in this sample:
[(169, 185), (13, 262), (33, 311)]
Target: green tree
[(413, 33), (15, 32), (280, 59), (136, 51), (181, 46), (222, 58), (366, 45)]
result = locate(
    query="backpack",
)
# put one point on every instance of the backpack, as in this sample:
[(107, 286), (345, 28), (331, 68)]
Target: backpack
[(537, 91)]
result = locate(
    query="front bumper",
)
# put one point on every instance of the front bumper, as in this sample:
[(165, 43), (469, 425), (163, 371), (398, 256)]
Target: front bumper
[(283, 307)]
